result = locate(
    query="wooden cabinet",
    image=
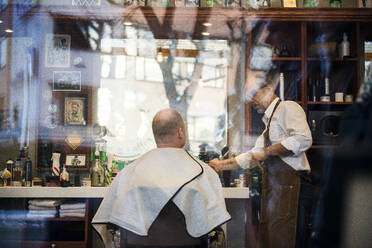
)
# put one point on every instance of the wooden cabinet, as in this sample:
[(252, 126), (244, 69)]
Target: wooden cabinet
[(64, 232), (17, 229), (312, 55)]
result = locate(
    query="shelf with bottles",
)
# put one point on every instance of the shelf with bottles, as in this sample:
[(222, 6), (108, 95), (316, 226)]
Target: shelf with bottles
[(278, 58), (332, 40), (331, 83), (289, 87), (337, 59)]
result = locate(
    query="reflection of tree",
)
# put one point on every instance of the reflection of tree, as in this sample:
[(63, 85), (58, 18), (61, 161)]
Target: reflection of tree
[(177, 100), (179, 90)]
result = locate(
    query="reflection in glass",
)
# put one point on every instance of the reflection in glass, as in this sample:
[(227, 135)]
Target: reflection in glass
[(191, 77)]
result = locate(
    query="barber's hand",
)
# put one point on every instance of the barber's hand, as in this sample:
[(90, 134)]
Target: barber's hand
[(259, 156), (214, 164)]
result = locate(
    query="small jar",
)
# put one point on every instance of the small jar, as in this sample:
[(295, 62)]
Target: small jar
[(37, 182), (86, 182)]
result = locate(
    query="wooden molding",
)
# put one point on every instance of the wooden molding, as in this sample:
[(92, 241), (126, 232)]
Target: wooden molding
[(368, 56)]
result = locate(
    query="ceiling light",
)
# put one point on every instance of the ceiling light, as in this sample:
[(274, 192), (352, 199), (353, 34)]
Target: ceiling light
[(207, 24), (1, 21), (128, 24), (205, 33), (8, 30)]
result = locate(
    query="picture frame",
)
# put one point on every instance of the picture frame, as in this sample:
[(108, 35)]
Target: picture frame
[(76, 160), (75, 110), (57, 52), (289, 3), (66, 81)]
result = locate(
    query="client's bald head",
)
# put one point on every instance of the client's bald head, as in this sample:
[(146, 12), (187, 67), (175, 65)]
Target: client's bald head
[(169, 129)]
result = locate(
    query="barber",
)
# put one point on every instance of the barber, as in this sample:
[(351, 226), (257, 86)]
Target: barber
[(279, 154)]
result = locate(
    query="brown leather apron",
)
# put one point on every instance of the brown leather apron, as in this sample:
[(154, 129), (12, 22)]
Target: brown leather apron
[(279, 200)]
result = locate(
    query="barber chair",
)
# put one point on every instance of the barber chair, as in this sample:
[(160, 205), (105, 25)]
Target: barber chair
[(168, 230)]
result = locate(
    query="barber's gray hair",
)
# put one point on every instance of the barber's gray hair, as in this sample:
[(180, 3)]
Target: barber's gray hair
[(166, 124), (271, 78)]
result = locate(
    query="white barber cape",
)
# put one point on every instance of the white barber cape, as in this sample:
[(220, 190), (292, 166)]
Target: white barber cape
[(142, 189)]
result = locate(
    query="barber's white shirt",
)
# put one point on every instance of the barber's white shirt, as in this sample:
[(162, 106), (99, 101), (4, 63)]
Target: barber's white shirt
[(288, 127)]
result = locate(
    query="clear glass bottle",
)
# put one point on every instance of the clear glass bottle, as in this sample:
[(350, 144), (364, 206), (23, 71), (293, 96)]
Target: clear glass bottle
[(97, 172), (28, 168), (9, 167), (17, 173), (64, 178), (344, 47)]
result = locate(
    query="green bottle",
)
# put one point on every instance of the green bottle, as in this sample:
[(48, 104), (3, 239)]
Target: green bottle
[(335, 4), (97, 173), (309, 3), (209, 3)]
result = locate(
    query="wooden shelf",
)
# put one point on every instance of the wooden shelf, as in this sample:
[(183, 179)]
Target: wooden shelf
[(329, 103), (68, 169), (278, 58), (324, 146), (57, 243), (332, 59)]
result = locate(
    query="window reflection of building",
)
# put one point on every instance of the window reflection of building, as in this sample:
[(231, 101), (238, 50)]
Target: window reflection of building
[(132, 91)]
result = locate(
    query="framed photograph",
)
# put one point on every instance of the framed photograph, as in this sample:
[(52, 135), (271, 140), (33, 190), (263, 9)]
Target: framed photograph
[(75, 160), (289, 3), (57, 50), (75, 112), (66, 81)]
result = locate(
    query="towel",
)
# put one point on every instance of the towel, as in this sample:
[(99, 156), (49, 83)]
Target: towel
[(32, 207), (141, 190), (76, 205), (45, 203), (64, 215), (41, 212), (78, 210)]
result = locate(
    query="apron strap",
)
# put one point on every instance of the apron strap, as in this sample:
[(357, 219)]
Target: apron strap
[(266, 134)]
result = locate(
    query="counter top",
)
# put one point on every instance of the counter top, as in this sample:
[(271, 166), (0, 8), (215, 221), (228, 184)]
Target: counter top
[(87, 192)]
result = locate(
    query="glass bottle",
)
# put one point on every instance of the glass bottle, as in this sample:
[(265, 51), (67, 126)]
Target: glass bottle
[(284, 52), (97, 172), (64, 177), (17, 172), (28, 168), (308, 3), (9, 167), (344, 47)]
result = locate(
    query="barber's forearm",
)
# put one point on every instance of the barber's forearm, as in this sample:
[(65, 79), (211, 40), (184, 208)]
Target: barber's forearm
[(277, 150), (227, 164)]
